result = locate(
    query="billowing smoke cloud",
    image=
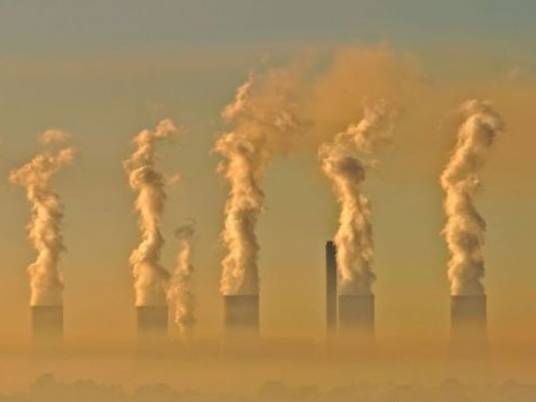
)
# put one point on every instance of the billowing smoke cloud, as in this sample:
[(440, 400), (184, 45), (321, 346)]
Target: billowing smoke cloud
[(264, 122), (347, 171), (465, 228), (52, 136), (44, 229), (180, 293), (150, 278)]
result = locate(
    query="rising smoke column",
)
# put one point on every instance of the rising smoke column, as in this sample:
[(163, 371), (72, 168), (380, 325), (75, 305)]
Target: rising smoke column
[(44, 228), (465, 228), (150, 278), (264, 122), (342, 164), (180, 292)]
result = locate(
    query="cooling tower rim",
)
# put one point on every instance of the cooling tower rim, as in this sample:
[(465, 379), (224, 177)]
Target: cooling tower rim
[(152, 305), (468, 297), (46, 305), (356, 296)]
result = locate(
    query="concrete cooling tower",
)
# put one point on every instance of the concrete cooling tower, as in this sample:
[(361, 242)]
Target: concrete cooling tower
[(468, 316), (47, 323), (468, 326), (152, 320), (331, 287), (356, 314), (241, 313)]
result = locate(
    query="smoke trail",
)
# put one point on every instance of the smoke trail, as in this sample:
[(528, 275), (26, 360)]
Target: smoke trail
[(180, 291), (341, 164), (150, 278), (465, 228), (44, 229), (265, 122)]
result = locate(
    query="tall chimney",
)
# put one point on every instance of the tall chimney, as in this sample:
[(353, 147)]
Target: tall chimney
[(331, 287), (47, 325), (241, 313), (152, 321), (356, 315)]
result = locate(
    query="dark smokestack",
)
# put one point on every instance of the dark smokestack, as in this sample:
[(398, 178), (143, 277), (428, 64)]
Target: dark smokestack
[(47, 323), (331, 287), (241, 312), (152, 320), (356, 314)]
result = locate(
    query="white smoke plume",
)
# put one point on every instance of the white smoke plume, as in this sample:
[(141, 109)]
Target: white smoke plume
[(44, 228), (180, 292), (465, 228), (52, 136), (150, 277), (343, 164), (265, 121)]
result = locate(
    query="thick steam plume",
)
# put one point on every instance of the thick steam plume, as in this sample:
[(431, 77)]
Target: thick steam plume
[(150, 278), (264, 122), (180, 293), (347, 171), (465, 228), (44, 229)]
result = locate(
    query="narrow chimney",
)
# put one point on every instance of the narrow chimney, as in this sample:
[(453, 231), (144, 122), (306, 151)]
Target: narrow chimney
[(241, 313), (331, 287)]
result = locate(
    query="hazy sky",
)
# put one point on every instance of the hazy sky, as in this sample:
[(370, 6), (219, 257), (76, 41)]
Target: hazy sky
[(105, 70), (67, 27)]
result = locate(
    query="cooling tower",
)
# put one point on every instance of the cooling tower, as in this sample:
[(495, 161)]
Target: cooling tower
[(241, 312), (356, 314), (47, 323), (468, 317), (152, 320), (331, 287)]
